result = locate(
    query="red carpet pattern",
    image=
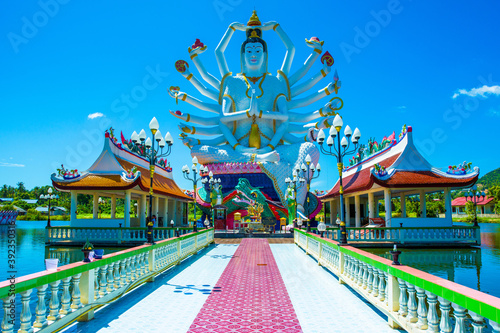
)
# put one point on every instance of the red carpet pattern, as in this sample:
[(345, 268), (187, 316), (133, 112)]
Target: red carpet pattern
[(250, 296)]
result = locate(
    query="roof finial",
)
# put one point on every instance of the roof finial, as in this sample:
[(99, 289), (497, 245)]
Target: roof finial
[(254, 19)]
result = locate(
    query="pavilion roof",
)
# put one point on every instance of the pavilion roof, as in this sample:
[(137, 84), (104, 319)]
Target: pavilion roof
[(404, 167), (109, 173)]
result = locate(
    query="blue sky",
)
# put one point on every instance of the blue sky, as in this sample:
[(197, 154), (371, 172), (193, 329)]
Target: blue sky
[(431, 65)]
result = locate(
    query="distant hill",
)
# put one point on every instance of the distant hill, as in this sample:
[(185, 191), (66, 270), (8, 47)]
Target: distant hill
[(490, 179)]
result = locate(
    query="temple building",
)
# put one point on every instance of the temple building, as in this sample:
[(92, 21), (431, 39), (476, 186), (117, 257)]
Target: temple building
[(119, 172), (396, 170)]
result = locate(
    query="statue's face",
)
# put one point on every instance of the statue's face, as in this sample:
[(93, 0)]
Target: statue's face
[(254, 56)]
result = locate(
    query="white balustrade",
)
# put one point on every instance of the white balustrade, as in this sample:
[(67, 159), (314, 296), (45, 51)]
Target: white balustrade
[(75, 295), (407, 304)]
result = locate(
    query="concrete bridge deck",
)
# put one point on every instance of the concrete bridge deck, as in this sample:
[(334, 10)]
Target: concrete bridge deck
[(253, 286)]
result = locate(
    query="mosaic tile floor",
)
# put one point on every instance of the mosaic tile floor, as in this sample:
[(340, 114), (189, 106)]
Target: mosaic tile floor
[(322, 304), (247, 287), (252, 296), (170, 303)]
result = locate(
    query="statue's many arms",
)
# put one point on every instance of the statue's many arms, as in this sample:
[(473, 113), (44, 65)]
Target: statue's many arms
[(252, 118)]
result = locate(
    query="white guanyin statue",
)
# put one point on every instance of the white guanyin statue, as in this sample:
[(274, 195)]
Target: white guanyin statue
[(252, 119)]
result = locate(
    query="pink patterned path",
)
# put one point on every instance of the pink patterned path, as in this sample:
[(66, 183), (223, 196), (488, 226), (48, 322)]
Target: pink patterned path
[(252, 296)]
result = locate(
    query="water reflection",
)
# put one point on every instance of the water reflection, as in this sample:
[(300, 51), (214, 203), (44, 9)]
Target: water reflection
[(31, 250), (475, 267)]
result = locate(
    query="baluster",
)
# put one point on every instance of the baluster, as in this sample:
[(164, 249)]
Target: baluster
[(54, 301), (365, 275), (146, 263), (123, 272), (111, 279), (116, 274), (370, 279), (432, 316), (129, 270), (381, 286), (386, 277), (135, 273), (361, 272), (477, 322), (459, 314), (65, 298), (41, 309), (144, 267), (6, 326), (412, 303), (355, 271), (96, 284), (495, 326), (347, 261), (102, 281), (403, 298), (25, 317), (421, 309), (75, 294), (375, 282), (445, 307)]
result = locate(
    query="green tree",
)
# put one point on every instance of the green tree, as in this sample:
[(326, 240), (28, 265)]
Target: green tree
[(470, 210)]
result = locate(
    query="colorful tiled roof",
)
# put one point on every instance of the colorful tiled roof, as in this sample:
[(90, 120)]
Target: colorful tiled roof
[(109, 170), (403, 167), (481, 201)]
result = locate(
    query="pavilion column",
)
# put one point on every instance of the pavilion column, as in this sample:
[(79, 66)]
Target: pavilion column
[(174, 216), (95, 208), (388, 207), (156, 207), (142, 211), (371, 205), (423, 207), (333, 211), (113, 206), (74, 205), (447, 205), (403, 205), (347, 211), (126, 210), (357, 211), (165, 213)]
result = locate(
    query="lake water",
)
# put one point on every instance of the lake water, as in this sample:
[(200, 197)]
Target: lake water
[(31, 251), (473, 267)]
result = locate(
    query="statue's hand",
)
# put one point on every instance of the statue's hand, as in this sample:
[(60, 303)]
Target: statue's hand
[(238, 26), (315, 44), (269, 25), (264, 150), (327, 68), (189, 141)]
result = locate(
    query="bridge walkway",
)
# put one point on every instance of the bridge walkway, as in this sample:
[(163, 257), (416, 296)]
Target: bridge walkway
[(249, 287)]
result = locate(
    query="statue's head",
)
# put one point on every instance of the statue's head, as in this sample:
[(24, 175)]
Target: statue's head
[(254, 52)]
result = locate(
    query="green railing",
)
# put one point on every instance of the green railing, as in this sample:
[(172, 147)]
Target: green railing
[(92, 285), (411, 299)]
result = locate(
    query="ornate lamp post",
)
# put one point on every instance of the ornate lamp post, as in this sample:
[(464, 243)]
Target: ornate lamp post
[(339, 152), (321, 226), (195, 180), (299, 222), (294, 184), (474, 198), (152, 153), (212, 182), (308, 171), (49, 197)]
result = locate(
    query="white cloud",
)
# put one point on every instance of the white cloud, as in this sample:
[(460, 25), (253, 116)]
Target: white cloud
[(4, 164), (401, 108), (95, 115), (494, 112), (482, 91), (317, 183)]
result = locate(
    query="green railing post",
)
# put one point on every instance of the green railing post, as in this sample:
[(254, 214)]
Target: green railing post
[(87, 285)]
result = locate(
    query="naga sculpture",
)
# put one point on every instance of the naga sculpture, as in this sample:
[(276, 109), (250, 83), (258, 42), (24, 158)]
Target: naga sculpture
[(252, 112)]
